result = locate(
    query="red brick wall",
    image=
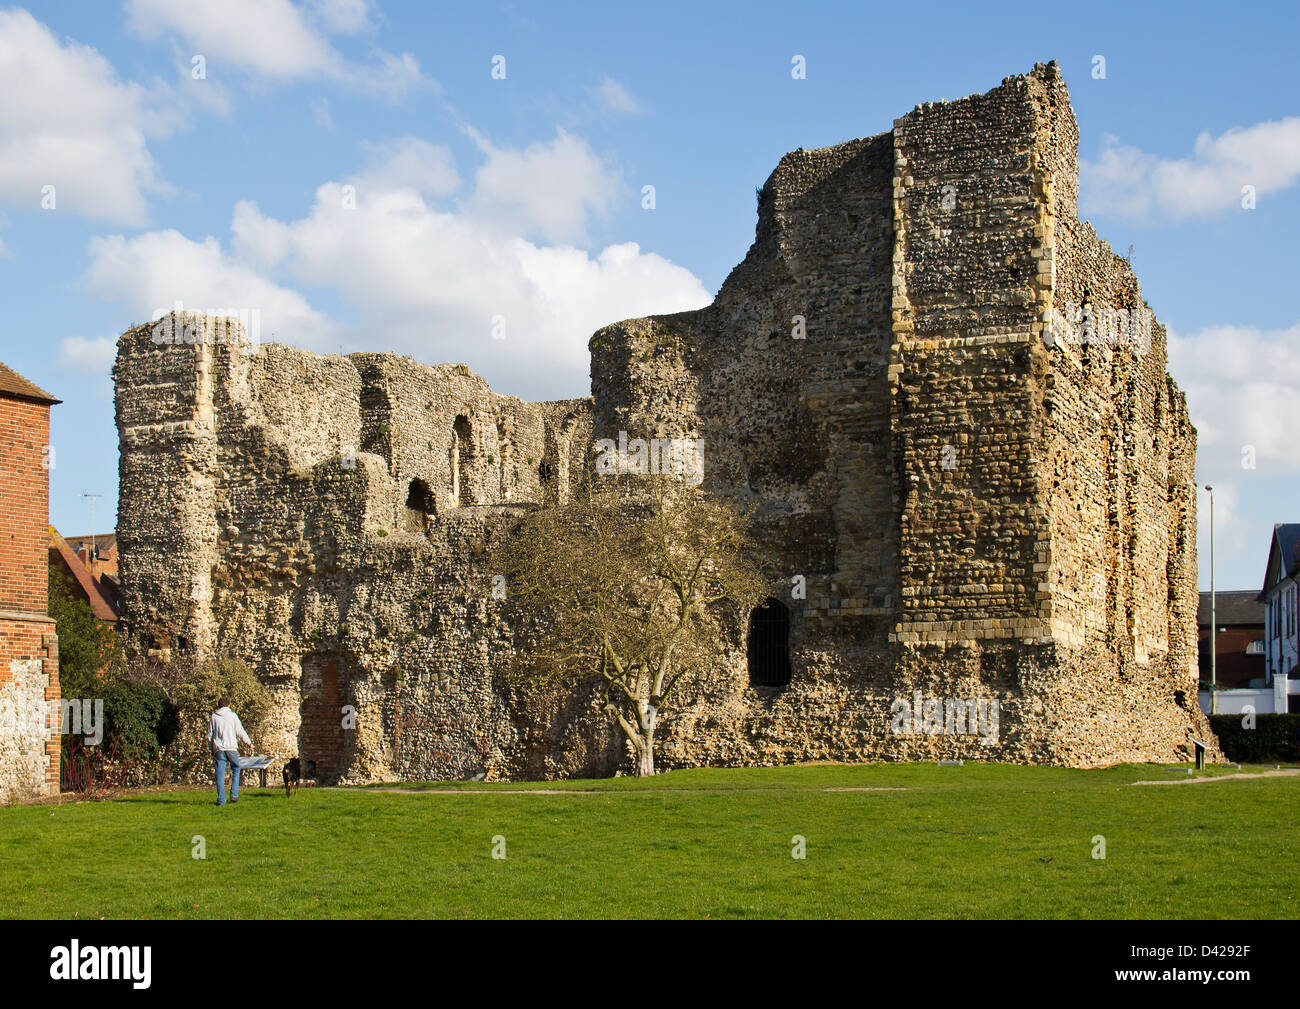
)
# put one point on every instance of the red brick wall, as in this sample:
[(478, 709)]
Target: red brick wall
[(321, 735), (24, 506), (1234, 668), (26, 631)]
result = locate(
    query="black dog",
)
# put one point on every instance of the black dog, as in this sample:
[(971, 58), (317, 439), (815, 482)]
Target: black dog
[(293, 775)]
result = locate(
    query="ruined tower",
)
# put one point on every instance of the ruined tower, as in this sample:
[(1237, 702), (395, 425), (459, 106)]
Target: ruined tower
[(950, 401), (943, 393)]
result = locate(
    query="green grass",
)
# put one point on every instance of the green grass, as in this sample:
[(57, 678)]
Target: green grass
[(975, 841)]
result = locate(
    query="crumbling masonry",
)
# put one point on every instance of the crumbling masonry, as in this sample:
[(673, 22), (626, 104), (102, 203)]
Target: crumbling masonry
[(941, 390)]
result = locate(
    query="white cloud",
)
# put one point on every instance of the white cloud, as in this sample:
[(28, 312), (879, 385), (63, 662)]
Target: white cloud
[(545, 189), (408, 162), (1236, 536), (275, 40), (617, 98), (67, 121), (91, 355), (270, 38), (150, 273), (1243, 389), (342, 17), (170, 107), (1127, 182), (418, 278), (393, 75)]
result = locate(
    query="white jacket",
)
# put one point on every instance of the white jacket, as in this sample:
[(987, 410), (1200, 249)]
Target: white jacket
[(224, 731)]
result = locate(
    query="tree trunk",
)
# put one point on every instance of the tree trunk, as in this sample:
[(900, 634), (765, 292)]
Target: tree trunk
[(645, 746)]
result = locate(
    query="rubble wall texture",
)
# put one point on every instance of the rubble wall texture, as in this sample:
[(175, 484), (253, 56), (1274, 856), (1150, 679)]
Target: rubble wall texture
[(981, 509), (957, 499), (320, 517)]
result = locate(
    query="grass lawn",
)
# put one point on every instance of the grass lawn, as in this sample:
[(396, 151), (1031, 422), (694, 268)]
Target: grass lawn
[(981, 840)]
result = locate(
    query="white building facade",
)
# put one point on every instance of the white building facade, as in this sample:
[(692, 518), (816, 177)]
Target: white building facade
[(1281, 599)]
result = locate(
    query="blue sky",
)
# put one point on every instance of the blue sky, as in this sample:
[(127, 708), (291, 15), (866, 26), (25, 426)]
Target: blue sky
[(522, 196)]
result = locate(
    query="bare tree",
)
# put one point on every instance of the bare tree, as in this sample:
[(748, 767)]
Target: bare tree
[(632, 585)]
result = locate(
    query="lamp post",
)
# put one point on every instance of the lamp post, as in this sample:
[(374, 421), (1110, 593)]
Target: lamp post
[(1214, 621)]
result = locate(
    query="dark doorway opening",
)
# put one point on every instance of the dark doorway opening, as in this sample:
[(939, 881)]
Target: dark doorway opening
[(769, 645), (462, 451), (420, 498)]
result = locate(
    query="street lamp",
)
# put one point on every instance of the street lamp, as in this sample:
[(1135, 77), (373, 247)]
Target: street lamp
[(1214, 623)]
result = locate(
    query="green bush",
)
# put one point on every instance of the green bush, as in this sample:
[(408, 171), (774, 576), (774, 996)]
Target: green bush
[(196, 699), (1274, 738), (139, 720)]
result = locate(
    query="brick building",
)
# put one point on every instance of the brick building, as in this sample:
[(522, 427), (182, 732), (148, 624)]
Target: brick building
[(98, 553), (1281, 600), (29, 653), (1239, 643), (99, 592)]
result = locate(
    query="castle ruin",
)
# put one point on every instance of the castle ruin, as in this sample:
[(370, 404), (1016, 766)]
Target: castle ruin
[(942, 393)]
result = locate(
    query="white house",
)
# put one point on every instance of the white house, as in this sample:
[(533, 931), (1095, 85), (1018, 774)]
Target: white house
[(1281, 599), (1279, 688)]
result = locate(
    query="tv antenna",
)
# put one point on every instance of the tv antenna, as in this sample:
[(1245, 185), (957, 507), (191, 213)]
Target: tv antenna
[(93, 552)]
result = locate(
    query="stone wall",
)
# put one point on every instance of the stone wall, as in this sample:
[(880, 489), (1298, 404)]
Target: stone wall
[(29, 710), (986, 501), (319, 517), (962, 497)]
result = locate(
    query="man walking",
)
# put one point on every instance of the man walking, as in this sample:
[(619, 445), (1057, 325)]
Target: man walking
[(224, 732)]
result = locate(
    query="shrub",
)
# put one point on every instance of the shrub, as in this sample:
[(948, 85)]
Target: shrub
[(1274, 738), (139, 720)]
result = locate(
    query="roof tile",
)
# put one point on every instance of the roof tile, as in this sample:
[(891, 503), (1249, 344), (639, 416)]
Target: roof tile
[(14, 385)]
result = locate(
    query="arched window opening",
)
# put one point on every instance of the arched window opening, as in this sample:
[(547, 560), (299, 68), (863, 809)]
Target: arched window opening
[(769, 645), (419, 498)]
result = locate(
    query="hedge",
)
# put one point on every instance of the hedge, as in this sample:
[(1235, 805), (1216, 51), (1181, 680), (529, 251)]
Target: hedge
[(1274, 738)]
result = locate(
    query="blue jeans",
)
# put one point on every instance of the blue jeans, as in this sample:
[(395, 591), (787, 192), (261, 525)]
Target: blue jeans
[(222, 757)]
